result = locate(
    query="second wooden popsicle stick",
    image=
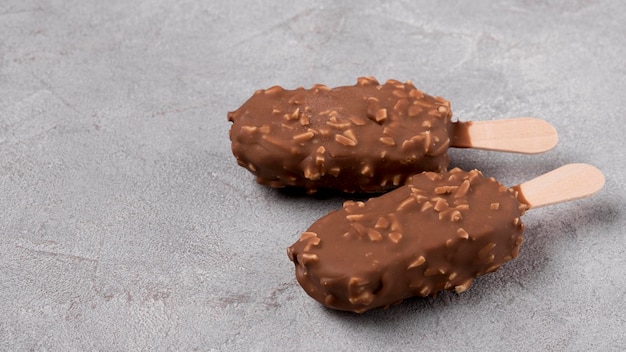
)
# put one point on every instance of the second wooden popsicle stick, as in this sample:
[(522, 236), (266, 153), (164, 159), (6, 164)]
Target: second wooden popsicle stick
[(526, 135), (567, 183)]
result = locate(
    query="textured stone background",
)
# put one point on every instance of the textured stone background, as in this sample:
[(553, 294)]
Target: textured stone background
[(125, 223)]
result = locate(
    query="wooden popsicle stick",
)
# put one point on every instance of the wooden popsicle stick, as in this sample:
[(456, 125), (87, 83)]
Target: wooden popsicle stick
[(566, 183), (526, 135)]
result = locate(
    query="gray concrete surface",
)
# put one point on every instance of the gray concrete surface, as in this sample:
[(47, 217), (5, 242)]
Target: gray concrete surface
[(126, 225)]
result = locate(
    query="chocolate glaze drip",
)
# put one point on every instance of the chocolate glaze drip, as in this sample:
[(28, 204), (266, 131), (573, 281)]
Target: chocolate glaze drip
[(437, 232), (363, 138)]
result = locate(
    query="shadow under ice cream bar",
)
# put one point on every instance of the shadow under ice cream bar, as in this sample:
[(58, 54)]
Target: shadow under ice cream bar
[(438, 232), (363, 138)]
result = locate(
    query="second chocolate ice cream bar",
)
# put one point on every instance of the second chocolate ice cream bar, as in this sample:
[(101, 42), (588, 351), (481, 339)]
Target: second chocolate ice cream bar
[(437, 232)]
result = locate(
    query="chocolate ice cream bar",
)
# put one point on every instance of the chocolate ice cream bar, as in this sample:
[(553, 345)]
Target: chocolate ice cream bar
[(438, 232), (363, 138)]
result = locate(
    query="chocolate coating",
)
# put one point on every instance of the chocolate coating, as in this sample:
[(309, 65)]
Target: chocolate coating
[(437, 232), (362, 138)]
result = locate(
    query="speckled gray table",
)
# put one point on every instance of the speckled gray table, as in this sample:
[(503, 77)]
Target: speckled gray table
[(125, 223)]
